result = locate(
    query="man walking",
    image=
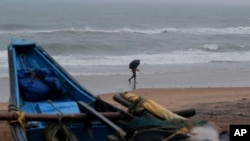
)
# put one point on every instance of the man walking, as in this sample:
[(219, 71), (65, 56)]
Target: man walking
[(133, 66)]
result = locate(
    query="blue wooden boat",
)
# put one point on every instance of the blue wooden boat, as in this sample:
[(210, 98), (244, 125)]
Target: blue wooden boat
[(57, 97)]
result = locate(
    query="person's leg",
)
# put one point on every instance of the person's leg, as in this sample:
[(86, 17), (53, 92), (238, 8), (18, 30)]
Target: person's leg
[(131, 78), (134, 76)]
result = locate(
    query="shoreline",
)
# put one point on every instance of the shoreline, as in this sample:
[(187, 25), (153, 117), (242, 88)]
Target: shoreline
[(102, 84)]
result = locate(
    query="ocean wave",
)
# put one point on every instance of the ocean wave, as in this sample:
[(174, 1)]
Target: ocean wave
[(149, 31), (225, 48), (226, 30), (177, 57), (30, 31), (197, 30), (208, 54), (89, 64), (130, 30), (210, 47), (16, 26), (105, 31)]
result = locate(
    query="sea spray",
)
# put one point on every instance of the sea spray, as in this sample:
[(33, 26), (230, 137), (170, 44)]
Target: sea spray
[(204, 133)]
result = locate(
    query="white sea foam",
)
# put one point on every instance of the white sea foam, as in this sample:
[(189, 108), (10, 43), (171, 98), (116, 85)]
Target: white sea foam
[(127, 29), (206, 133), (177, 57), (197, 30), (210, 47), (211, 30), (201, 30)]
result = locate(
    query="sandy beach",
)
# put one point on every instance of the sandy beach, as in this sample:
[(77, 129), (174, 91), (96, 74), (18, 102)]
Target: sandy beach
[(223, 106)]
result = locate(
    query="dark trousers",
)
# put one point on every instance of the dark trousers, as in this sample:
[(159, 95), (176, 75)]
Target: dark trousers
[(133, 76)]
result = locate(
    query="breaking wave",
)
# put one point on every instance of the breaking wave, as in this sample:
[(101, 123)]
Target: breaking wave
[(178, 57), (225, 48), (77, 62), (12, 29), (228, 30)]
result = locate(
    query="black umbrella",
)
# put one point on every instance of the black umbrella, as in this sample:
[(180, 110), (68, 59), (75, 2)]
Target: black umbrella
[(134, 64)]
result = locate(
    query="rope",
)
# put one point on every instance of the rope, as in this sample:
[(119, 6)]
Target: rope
[(50, 102), (183, 130), (20, 119), (23, 57), (159, 136), (12, 107), (59, 132)]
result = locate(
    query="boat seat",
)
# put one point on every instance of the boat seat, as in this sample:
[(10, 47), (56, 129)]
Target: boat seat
[(69, 107)]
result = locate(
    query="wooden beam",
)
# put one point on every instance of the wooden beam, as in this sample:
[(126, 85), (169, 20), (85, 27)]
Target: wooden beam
[(55, 117), (96, 114)]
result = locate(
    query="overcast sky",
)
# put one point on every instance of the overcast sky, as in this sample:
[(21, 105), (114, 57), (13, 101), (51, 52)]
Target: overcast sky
[(153, 1), (172, 1), (192, 2)]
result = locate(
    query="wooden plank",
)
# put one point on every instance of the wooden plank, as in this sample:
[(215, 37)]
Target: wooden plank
[(93, 112)]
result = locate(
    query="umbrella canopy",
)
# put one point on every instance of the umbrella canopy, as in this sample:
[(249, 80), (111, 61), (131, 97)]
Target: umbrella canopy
[(134, 64)]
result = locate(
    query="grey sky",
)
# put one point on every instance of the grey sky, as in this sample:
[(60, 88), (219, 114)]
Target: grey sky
[(151, 1), (9, 3)]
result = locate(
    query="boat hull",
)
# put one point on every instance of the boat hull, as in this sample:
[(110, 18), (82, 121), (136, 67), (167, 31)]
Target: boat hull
[(26, 55)]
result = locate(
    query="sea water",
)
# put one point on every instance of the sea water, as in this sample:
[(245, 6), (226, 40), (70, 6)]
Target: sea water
[(101, 38)]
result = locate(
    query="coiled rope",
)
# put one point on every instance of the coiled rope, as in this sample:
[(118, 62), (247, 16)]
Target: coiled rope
[(58, 131)]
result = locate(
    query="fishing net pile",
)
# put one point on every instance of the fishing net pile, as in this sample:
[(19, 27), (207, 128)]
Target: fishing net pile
[(164, 125)]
